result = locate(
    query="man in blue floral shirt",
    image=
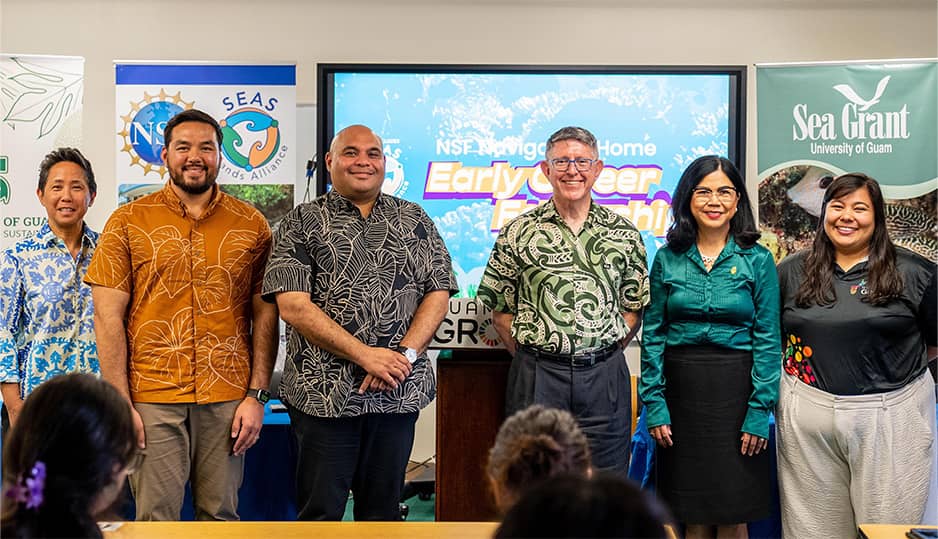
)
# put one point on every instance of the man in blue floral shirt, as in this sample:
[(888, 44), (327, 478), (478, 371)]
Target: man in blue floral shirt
[(46, 314)]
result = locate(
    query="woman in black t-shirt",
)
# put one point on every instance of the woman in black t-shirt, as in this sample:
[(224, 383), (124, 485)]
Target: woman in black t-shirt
[(856, 413)]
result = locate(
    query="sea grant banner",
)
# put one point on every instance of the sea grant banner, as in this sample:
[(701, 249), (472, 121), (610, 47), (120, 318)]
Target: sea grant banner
[(821, 120)]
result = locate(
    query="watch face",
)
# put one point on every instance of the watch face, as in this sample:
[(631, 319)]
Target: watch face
[(409, 353), (262, 395)]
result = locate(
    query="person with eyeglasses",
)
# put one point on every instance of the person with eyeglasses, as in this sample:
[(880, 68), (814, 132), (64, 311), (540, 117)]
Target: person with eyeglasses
[(712, 357), (66, 461), (567, 283)]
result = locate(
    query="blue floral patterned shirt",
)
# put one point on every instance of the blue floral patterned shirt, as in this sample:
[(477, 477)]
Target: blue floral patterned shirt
[(46, 313)]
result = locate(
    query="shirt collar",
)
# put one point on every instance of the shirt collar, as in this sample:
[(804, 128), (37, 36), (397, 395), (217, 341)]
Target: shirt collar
[(857, 269), (48, 238), (549, 213), (174, 203), (338, 202), (729, 249)]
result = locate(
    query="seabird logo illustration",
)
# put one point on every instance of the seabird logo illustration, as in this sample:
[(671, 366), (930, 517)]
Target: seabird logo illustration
[(863, 104)]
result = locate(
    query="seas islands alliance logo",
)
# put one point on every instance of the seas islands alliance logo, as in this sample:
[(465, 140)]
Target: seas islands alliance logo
[(252, 143)]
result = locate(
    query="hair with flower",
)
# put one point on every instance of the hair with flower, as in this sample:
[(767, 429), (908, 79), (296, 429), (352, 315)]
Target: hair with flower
[(28, 489), (64, 458)]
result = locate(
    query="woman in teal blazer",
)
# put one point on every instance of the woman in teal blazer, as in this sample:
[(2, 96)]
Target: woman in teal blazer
[(711, 355)]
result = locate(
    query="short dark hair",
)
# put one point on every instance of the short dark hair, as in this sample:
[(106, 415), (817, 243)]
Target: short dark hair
[(572, 506), (61, 155), (80, 428), (683, 231), (578, 134), (190, 115)]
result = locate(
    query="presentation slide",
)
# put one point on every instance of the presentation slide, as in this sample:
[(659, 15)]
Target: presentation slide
[(467, 145)]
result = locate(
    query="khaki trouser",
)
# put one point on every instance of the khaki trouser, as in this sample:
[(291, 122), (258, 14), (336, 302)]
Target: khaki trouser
[(188, 442), (844, 461)]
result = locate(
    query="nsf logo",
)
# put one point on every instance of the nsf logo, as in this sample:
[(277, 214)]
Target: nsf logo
[(143, 129), (258, 152)]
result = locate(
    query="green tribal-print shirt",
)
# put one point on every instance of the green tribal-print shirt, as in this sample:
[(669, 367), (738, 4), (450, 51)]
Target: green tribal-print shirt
[(566, 291)]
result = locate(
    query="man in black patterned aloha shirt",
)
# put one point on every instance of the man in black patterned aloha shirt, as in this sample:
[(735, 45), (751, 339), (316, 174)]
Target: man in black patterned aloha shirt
[(362, 280), (567, 283)]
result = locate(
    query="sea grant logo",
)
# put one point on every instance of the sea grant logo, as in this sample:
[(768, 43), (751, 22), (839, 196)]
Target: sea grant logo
[(143, 129), (856, 122)]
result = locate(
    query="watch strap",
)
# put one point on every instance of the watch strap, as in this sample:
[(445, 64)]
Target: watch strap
[(261, 395)]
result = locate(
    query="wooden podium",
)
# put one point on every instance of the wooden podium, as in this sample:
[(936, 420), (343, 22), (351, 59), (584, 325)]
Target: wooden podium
[(470, 407)]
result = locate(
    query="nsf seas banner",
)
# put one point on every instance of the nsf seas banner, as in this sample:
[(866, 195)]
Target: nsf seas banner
[(821, 120), (40, 103), (255, 106)]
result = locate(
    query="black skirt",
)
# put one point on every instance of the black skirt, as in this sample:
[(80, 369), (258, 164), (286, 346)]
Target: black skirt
[(703, 477)]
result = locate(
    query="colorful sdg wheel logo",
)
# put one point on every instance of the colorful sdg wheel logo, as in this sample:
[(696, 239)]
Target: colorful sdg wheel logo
[(143, 129), (259, 152), (487, 333)]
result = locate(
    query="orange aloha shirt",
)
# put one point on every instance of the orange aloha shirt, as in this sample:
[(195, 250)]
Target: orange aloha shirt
[(191, 283)]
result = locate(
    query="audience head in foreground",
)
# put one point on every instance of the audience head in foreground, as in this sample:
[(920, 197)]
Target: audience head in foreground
[(532, 445), (575, 506), (66, 459)]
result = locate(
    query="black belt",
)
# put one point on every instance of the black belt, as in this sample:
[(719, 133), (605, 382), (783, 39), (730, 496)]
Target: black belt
[(584, 359)]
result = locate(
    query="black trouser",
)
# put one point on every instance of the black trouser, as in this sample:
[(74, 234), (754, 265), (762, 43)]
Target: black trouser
[(365, 454), (599, 397)]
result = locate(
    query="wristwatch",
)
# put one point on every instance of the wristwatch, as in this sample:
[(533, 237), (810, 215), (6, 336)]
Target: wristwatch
[(262, 395), (409, 353)]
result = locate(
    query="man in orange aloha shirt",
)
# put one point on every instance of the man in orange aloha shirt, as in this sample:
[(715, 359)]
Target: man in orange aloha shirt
[(181, 328)]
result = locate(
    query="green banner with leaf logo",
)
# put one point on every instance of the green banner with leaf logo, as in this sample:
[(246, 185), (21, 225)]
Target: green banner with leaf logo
[(818, 121), (40, 110)]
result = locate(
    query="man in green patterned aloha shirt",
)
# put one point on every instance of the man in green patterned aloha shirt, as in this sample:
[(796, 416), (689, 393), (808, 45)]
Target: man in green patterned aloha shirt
[(567, 282)]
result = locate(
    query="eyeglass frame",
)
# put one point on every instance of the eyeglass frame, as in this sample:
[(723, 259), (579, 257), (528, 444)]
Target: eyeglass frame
[(705, 193), (590, 163)]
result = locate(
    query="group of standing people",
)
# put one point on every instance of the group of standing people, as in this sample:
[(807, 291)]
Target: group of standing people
[(854, 316), (187, 284)]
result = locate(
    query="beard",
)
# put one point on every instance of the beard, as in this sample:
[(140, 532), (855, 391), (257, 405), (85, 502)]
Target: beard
[(178, 178)]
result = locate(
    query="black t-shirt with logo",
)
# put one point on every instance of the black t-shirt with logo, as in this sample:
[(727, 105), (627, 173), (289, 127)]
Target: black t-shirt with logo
[(852, 347)]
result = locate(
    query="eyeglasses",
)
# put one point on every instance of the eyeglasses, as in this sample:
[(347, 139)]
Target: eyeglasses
[(561, 164), (136, 461), (724, 194)]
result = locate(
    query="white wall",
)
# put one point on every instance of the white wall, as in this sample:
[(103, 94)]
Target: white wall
[(617, 32)]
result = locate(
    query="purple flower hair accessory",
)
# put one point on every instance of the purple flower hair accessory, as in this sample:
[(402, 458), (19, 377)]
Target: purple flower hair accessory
[(29, 490)]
